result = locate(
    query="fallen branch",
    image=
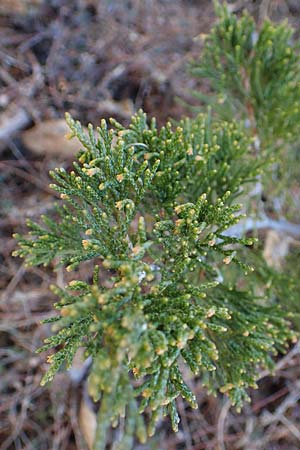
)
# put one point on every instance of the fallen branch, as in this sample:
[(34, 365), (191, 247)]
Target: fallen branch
[(258, 224)]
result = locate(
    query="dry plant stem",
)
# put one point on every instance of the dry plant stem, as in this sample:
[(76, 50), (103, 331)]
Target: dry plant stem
[(271, 420), (221, 425), (266, 401), (21, 417), (284, 361), (292, 427), (185, 425), (246, 442), (26, 176), (73, 414), (291, 400), (13, 283)]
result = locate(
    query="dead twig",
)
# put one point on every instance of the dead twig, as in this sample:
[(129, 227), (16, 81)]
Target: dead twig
[(8, 165), (283, 362), (221, 424)]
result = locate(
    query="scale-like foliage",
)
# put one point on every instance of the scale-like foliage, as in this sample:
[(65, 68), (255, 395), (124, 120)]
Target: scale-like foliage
[(150, 208), (254, 73)]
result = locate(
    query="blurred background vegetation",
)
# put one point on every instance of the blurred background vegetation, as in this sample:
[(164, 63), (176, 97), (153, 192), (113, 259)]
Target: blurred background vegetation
[(103, 58)]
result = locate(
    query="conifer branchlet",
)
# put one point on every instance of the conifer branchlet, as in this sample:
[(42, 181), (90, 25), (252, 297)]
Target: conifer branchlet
[(151, 208), (254, 74)]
